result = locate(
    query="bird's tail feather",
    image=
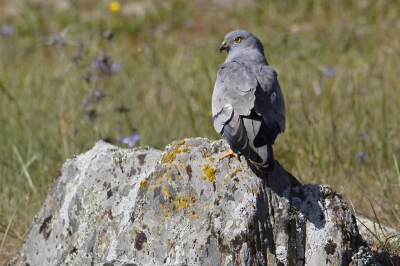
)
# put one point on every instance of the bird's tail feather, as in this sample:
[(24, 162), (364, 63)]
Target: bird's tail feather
[(236, 133)]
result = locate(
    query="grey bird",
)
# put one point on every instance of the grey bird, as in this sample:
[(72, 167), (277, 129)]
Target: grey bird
[(248, 107)]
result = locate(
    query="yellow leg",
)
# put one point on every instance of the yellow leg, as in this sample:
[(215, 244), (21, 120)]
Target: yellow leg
[(229, 154)]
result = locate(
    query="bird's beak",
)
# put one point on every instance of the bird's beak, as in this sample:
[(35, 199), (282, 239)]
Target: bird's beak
[(223, 46)]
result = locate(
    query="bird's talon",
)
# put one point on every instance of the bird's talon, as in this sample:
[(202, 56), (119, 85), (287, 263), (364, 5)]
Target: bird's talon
[(229, 154)]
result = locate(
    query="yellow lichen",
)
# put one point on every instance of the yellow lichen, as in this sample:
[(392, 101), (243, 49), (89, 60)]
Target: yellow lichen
[(166, 192), (209, 172), (143, 184), (162, 206), (205, 154), (255, 191), (238, 170), (168, 242), (171, 155), (212, 159), (194, 198), (186, 149)]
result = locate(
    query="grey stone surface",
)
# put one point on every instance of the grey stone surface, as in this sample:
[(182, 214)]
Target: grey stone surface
[(184, 206), (364, 257)]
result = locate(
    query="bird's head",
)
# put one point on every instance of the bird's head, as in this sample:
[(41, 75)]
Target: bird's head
[(238, 40)]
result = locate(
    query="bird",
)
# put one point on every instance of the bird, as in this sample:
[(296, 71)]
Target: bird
[(248, 107)]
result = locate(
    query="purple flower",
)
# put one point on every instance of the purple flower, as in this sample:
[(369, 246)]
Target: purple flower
[(7, 30), (370, 243), (100, 64), (361, 156), (115, 67), (362, 136), (330, 71), (105, 65), (131, 140)]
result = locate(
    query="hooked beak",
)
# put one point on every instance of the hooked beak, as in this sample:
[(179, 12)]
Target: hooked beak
[(223, 46)]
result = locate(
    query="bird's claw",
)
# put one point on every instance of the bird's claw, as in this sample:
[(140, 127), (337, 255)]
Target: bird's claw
[(228, 154)]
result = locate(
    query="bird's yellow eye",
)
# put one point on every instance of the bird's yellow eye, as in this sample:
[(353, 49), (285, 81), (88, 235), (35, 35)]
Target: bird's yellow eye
[(238, 39)]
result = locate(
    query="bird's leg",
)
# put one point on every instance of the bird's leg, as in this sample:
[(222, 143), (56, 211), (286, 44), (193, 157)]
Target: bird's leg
[(230, 153)]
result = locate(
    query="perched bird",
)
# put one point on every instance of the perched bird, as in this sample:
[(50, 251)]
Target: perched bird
[(247, 104)]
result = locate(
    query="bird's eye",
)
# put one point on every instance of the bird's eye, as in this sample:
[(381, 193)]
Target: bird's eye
[(238, 39)]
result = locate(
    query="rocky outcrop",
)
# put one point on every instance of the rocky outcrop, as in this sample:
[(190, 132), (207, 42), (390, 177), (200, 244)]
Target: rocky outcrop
[(184, 206)]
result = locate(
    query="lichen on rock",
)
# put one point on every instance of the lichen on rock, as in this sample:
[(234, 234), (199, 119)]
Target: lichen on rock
[(184, 206)]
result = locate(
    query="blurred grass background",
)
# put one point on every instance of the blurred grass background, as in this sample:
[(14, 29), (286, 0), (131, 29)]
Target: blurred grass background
[(338, 66)]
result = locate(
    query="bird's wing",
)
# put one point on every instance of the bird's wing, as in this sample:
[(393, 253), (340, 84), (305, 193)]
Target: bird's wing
[(234, 93), (269, 98), (270, 105)]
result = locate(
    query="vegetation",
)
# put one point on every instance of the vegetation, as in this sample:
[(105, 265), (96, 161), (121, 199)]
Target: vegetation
[(75, 72)]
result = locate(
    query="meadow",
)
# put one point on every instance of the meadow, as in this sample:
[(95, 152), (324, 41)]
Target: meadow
[(76, 72)]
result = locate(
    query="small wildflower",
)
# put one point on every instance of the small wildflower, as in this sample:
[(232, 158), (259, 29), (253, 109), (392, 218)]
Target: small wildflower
[(114, 6), (361, 156), (131, 140), (362, 136), (139, 49), (101, 63), (370, 243), (115, 67), (330, 71), (7, 30), (104, 64)]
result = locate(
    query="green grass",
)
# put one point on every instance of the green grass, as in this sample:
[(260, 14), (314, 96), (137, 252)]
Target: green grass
[(170, 57)]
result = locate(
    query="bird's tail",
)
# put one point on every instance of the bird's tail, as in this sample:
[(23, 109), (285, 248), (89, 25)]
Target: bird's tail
[(268, 164), (239, 135)]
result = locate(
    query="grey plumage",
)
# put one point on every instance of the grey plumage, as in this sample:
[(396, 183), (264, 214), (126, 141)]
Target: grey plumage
[(247, 103)]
